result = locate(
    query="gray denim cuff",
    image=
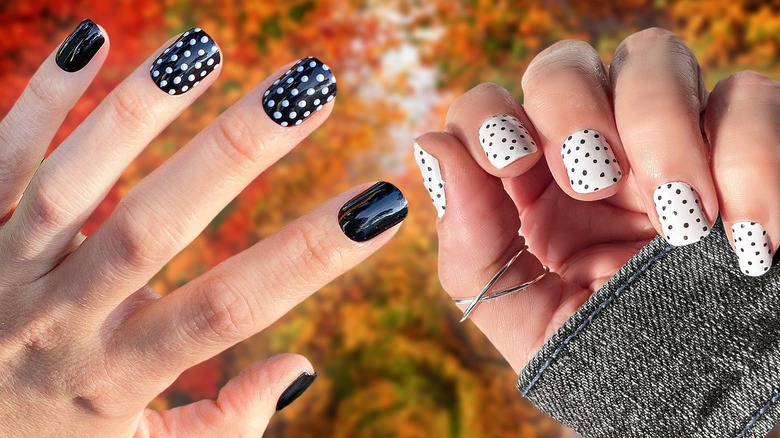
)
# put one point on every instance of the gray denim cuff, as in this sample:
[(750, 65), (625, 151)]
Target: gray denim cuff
[(677, 343)]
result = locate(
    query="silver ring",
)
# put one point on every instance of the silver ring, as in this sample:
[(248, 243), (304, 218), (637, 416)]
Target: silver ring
[(481, 296)]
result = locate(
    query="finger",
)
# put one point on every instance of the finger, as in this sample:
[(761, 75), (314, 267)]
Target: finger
[(494, 127), (166, 210), (567, 97), (242, 408), (77, 175), (477, 236), (27, 130), (741, 124), (658, 98), (251, 290)]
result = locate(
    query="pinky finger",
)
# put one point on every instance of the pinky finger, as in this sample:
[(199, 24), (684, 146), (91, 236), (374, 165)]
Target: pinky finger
[(243, 407), (28, 128)]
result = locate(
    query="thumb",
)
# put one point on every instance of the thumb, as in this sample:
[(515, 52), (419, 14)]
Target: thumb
[(244, 405), (478, 235)]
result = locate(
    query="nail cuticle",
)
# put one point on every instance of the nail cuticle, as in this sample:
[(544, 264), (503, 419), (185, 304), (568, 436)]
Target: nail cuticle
[(80, 47), (300, 92), (372, 212), (185, 63), (296, 388)]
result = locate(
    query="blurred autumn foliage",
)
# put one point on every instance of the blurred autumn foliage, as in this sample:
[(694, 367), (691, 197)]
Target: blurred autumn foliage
[(392, 358)]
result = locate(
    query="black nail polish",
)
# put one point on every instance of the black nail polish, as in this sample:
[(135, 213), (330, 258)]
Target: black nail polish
[(303, 90), (80, 46), (186, 62), (373, 212), (298, 387)]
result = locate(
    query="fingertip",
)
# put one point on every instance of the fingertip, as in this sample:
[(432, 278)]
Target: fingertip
[(495, 129)]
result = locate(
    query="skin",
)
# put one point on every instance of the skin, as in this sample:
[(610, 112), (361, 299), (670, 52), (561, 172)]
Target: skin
[(84, 335), (81, 332), (649, 105)]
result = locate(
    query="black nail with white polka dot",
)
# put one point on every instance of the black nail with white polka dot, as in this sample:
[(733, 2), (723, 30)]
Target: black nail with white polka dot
[(303, 90), (183, 65)]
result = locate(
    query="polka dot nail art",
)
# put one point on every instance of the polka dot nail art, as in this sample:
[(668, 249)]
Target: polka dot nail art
[(505, 140), (431, 172), (182, 66), (680, 212), (752, 247), (303, 90), (590, 162)]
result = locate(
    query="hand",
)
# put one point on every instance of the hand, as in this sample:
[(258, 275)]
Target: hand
[(627, 156), (85, 342)]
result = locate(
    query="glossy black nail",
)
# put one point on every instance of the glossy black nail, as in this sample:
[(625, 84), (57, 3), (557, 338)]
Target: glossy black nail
[(80, 46), (373, 212), (298, 387), (303, 90), (186, 62)]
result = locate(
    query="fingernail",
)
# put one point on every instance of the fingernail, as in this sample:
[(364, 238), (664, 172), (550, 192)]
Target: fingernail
[(752, 247), (80, 46), (303, 90), (590, 162), (298, 387), (505, 140), (373, 212), (431, 172), (186, 62), (679, 209)]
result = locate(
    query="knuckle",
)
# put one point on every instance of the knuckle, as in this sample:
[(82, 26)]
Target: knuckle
[(649, 37), (313, 252), (37, 333), (748, 79), (238, 141), (656, 41), (42, 93), (42, 206), (567, 56), (141, 237), (462, 104), (130, 110), (222, 312)]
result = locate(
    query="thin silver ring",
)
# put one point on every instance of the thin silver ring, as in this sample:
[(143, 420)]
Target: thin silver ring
[(480, 297)]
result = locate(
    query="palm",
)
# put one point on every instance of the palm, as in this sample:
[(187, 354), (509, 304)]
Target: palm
[(584, 242)]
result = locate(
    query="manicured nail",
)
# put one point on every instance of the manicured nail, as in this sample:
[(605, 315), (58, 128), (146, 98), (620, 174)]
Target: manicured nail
[(80, 46), (752, 247), (373, 212), (298, 387), (505, 140), (590, 162), (303, 90), (186, 62), (431, 172), (681, 215)]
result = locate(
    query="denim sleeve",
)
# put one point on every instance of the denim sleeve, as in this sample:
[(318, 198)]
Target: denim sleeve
[(677, 343)]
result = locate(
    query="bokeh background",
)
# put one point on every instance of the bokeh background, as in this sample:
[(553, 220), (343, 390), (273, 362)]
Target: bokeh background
[(393, 361)]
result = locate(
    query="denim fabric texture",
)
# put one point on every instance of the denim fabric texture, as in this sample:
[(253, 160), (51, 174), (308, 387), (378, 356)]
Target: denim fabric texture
[(678, 343)]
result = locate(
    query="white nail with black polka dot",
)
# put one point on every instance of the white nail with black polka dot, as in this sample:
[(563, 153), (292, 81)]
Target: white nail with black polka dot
[(183, 65), (590, 162), (753, 248), (505, 140), (680, 212), (431, 173), (302, 91)]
